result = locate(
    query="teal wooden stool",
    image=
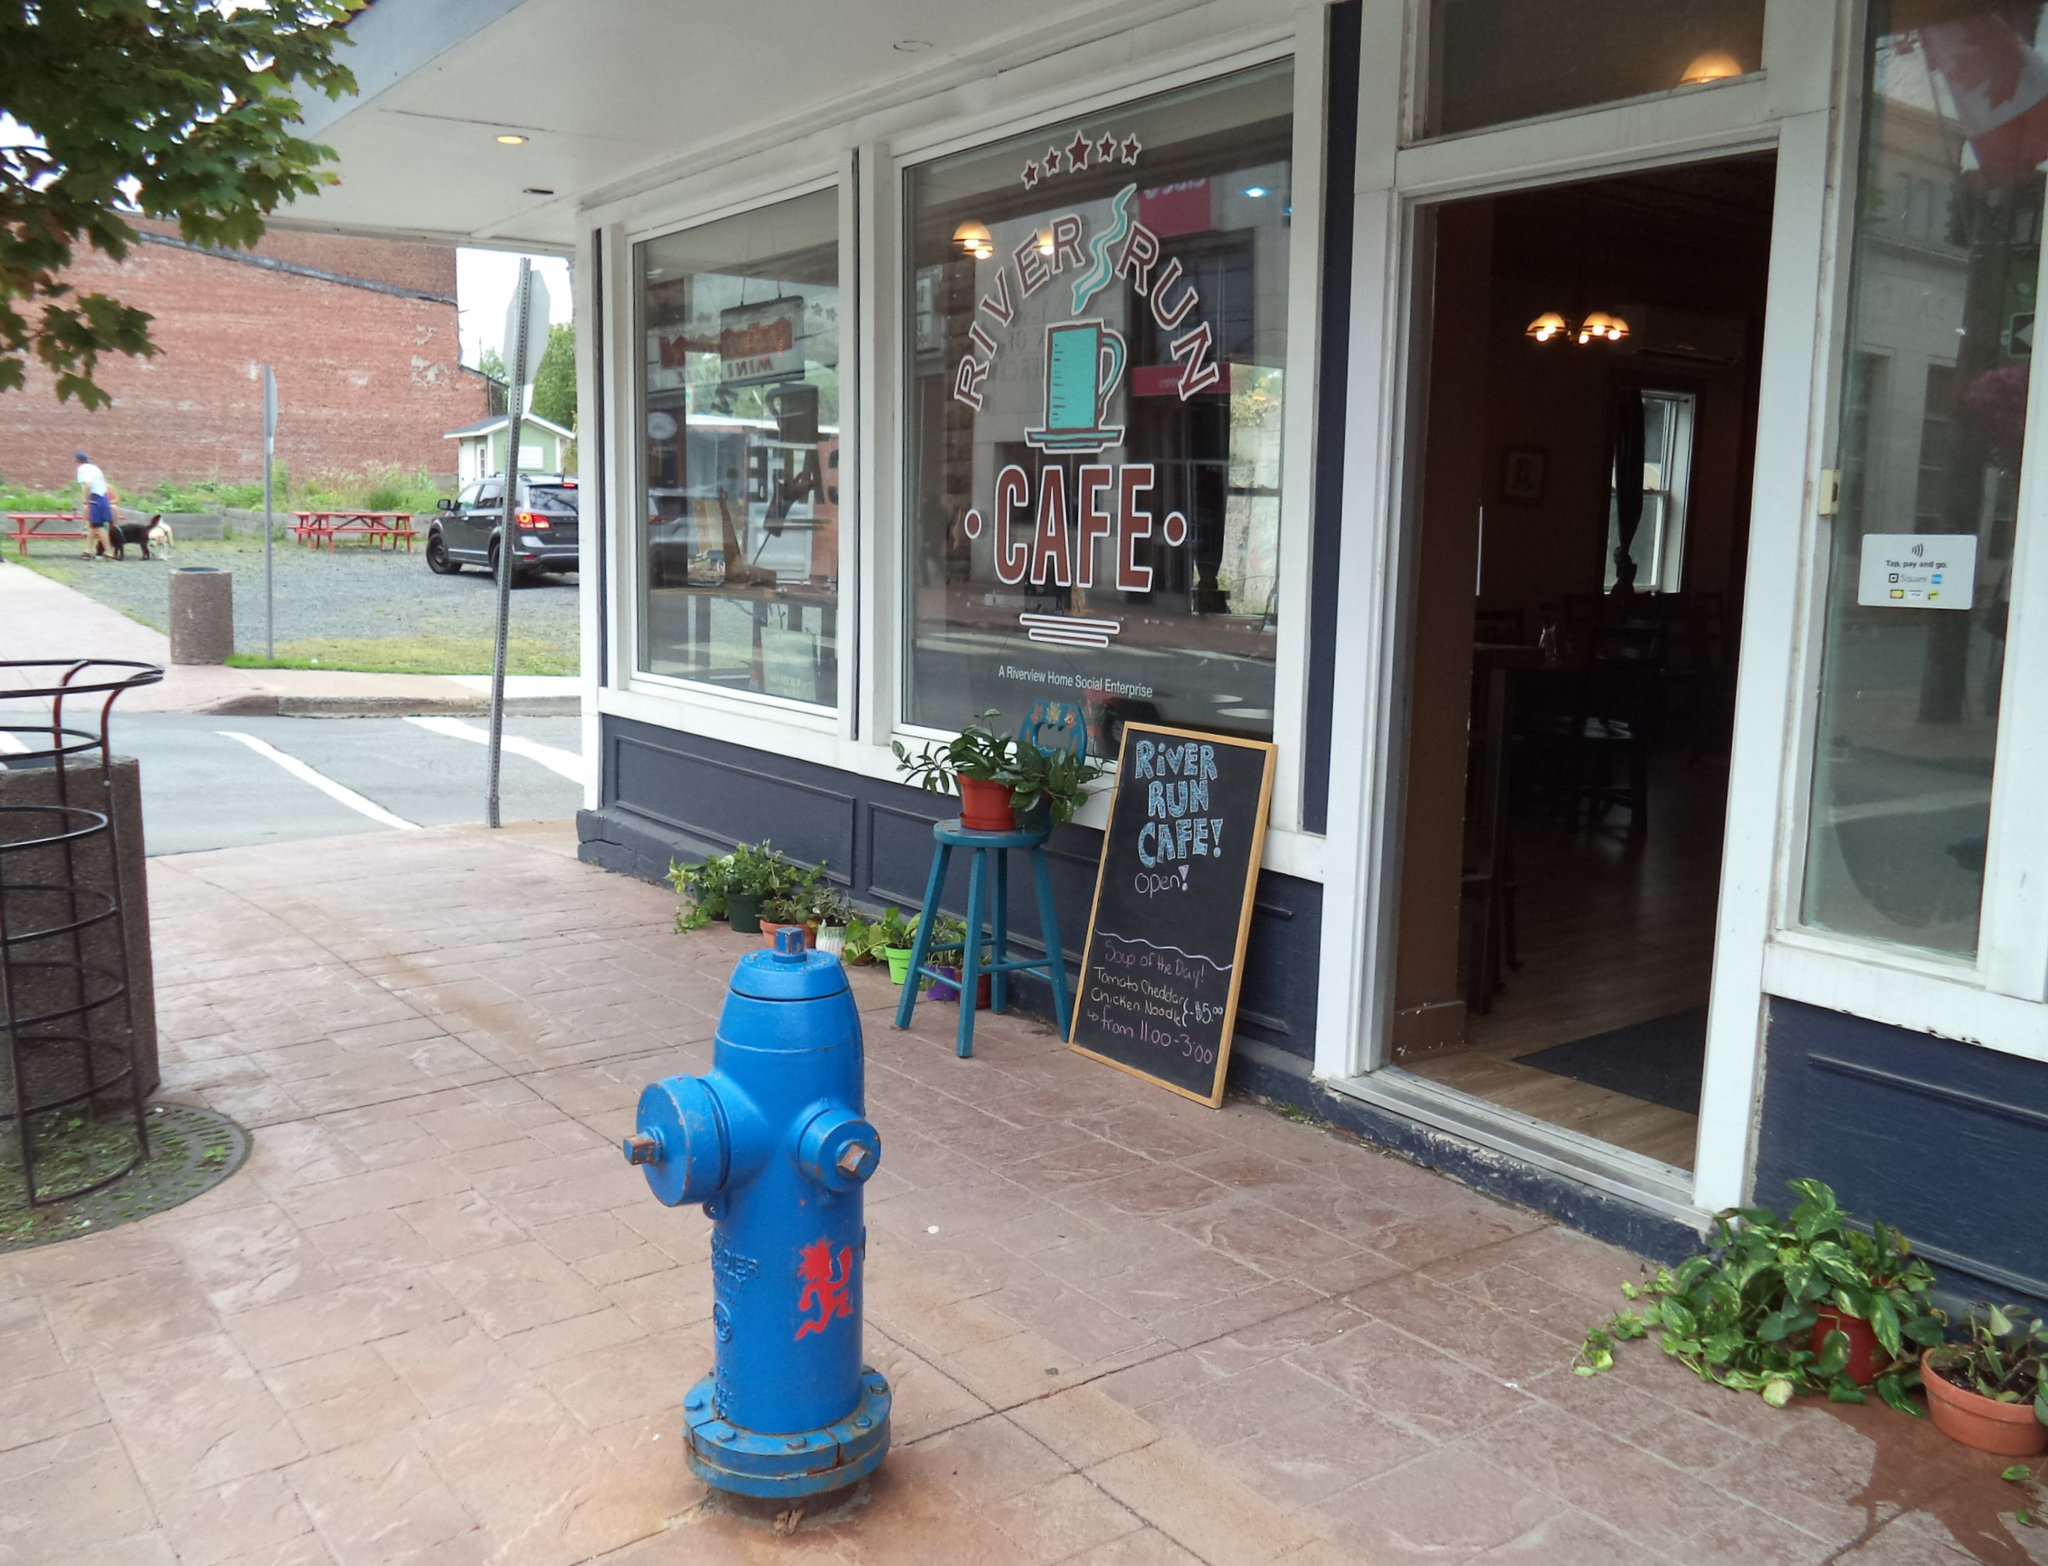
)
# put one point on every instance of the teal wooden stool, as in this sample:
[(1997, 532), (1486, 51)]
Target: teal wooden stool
[(991, 864)]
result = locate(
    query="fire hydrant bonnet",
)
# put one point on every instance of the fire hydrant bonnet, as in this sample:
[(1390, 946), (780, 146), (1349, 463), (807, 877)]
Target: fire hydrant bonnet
[(781, 975)]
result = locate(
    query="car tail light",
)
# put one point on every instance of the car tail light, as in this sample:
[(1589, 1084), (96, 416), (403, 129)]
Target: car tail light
[(533, 521)]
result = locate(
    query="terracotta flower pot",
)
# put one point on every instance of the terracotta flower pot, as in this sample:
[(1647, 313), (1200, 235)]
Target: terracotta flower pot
[(985, 807), (2009, 1429), (1867, 1360), (768, 930), (944, 991)]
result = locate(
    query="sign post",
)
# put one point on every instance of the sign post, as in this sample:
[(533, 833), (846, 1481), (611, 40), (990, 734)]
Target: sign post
[(526, 339), (269, 451)]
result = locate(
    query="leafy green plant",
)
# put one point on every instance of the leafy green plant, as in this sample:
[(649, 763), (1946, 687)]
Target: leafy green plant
[(891, 930), (705, 885), (1743, 1312), (1053, 780), (828, 906), (2004, 1356)]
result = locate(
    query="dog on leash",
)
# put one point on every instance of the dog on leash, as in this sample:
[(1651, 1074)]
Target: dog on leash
[(152, 533)]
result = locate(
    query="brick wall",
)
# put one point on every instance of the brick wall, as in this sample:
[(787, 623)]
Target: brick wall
[(364, 377)]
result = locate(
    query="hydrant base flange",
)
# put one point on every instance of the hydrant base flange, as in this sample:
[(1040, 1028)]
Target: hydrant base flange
[(782, 1467)]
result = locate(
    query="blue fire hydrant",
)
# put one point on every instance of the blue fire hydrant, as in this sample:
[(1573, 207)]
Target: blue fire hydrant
[(775, 1144)]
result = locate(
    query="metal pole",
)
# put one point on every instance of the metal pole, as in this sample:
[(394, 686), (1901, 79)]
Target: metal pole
[(269, 447), (514, 411)]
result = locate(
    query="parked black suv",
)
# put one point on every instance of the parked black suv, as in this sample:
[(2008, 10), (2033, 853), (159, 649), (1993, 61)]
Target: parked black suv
[(544, 527)]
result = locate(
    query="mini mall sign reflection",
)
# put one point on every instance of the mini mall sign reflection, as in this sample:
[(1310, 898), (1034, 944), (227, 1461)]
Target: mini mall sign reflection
[(1918, 571)]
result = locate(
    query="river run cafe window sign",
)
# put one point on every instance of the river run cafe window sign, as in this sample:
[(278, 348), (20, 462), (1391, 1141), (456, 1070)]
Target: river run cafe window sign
[(1097, 368)]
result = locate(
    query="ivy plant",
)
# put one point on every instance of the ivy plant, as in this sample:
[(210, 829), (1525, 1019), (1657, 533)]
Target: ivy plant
[(1742, 1313)]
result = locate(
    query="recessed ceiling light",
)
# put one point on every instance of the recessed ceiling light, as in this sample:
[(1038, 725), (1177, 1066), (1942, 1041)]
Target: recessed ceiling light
[(509, 139), (1255, 190), (536, 190), (911, 45)]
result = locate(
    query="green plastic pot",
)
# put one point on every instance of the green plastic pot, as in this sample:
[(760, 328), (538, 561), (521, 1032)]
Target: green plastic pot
[(899, 962), (745, 912)]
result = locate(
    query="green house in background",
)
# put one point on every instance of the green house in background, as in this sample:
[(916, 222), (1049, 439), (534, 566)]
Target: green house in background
[(543, 447)]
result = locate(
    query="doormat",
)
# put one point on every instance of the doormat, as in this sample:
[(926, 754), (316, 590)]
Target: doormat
[(1660, 1061)]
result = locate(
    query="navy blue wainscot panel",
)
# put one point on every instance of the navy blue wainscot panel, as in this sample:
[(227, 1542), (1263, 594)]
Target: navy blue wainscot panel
[(1946, 1141), (669, 795)]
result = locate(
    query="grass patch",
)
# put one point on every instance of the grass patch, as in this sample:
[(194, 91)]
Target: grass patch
[(412, 655)]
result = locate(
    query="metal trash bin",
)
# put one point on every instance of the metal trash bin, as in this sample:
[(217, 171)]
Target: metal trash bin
[(202, 614)]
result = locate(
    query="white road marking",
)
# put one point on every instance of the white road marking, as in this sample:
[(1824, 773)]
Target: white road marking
[(553, 757), (325, 784)]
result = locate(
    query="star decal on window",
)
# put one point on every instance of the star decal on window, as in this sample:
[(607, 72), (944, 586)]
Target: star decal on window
[(1030, 176), (1078, 150), (1132, 147), (1105, 149), (1052, 160)]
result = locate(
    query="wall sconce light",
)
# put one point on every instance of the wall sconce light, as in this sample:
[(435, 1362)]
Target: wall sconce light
[(1547, 326), (1045, 241), (973, 239), (1716, 65)]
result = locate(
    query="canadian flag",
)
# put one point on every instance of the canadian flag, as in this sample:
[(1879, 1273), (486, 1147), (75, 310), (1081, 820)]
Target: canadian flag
[(2000, 88)]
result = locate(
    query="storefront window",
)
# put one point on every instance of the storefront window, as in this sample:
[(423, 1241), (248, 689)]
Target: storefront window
[(739, 424), (1099, 330), (1493, 61), (1939, 344)]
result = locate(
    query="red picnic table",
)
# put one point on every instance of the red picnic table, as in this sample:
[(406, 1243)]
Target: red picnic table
[(30, 525), (330, 527)]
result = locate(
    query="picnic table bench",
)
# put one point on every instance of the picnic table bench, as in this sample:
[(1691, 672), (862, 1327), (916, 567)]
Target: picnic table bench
[(32, 525), (378, 527)]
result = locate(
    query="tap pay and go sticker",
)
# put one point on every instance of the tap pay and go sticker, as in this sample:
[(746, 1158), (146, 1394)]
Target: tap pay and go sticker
[(1918, 571)]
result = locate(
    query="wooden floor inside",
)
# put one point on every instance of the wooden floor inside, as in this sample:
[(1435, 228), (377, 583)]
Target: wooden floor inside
[(1612, 930)]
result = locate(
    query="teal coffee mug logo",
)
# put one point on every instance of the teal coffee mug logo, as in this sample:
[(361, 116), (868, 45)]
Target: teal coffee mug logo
[(1084, 362)]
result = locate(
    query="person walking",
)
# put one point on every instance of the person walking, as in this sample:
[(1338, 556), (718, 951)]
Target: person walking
[(99, 505)]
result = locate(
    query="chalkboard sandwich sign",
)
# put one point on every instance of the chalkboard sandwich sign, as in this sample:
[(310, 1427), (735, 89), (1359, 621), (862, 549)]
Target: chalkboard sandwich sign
[(1173, 900)]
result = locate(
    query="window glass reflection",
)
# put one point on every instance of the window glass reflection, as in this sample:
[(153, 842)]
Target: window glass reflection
[(1947, 251), (1095, 411), (739, 409)]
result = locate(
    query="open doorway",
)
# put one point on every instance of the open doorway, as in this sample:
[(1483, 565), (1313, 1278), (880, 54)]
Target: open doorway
[(1588, 424)]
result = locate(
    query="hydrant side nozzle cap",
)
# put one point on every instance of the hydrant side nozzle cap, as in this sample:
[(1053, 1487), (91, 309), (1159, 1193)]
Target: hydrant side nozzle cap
[(786, 976)]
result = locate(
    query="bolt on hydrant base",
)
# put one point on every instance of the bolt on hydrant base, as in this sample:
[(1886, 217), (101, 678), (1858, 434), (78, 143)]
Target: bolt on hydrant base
[(774, 1142), (782, 1467)]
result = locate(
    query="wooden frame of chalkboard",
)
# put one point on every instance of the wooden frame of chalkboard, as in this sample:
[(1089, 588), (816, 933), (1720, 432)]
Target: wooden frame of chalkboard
[(1191, 790)]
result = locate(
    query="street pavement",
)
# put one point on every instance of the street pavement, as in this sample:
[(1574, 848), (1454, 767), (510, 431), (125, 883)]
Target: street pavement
[(223, 781), (437, 1319)]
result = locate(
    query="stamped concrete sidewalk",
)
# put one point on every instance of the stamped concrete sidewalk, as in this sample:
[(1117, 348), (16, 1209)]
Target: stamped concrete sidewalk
[(437, 1319)]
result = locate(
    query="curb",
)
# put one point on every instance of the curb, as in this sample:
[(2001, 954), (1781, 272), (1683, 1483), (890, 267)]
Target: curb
[(266, 705)]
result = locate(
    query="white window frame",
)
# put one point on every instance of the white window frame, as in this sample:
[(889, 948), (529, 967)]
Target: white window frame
[(670, 700), (1996, 998), (1667, 556)]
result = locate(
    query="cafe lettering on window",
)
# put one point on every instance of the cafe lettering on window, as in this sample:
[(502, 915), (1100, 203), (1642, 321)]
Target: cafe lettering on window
[(1083, 362), (1098, 346)]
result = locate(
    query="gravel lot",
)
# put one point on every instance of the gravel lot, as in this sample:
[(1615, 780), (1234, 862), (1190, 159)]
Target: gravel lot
[(352, 594)]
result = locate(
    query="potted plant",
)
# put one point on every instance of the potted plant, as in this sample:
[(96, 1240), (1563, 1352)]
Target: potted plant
[(1001, 779), (949, 946), (894, 937), (706, 886), (1990, 1390), (754, 873), (1747, 1312), (787, 911), (859, 949), (831, 916)]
